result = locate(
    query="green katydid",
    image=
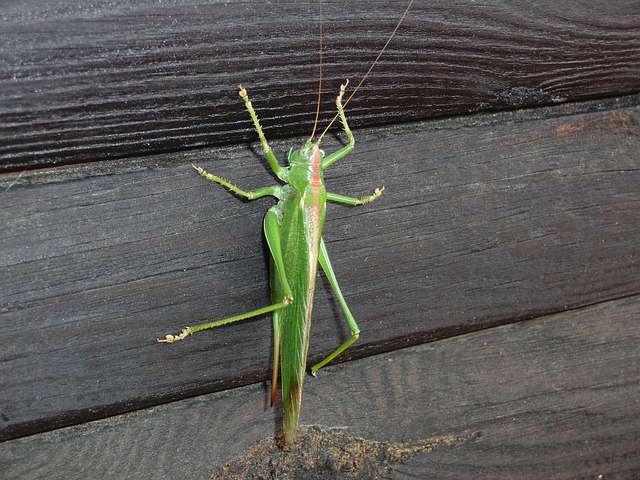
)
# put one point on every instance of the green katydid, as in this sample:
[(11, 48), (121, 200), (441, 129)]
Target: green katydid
[(293, 229)]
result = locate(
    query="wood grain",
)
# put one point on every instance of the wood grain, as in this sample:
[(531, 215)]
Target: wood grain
[(83, 82), (483, 222), (554, 397)]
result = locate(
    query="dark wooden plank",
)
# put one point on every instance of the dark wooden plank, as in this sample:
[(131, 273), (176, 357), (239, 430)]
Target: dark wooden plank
[(491, 221), (82, 82), (554, 397)]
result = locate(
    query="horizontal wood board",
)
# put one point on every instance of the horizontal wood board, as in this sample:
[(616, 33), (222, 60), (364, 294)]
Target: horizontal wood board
[(483, 222), (111, 79), (556, 397)]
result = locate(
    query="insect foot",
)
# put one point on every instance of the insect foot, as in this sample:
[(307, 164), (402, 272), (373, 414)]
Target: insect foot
[(174, 338), (370, 198)]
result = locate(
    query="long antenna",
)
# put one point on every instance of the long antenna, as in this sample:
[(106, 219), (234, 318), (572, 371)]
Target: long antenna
[(315, 123), (370, 69)]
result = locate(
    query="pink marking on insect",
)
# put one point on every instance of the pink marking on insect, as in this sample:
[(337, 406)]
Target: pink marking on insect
[(315, 182)]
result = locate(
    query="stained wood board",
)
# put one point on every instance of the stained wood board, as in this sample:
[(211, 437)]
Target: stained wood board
[(103, 80), (553, 397), (484, 221)]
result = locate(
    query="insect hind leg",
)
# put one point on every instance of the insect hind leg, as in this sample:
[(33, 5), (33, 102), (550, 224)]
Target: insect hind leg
[(272, 232), (325, 263)]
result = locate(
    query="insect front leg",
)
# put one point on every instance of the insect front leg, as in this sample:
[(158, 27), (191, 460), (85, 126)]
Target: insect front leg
[(273, 161), (347, 149), (325, 263), (272, 232)]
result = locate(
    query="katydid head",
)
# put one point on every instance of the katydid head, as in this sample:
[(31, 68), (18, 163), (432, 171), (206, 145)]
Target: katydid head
[(305, 166), (306, 155)]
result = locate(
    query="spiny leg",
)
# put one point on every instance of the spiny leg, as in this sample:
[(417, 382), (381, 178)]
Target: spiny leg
[(273, 161), (336, 197), (334, 157), (261, 192), (347, 149), (186, 331), (325, 263), (272, 233)]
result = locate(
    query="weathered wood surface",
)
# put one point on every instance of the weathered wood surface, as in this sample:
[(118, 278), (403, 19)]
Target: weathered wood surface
[(483, 222), (89, 81), (555, 397)]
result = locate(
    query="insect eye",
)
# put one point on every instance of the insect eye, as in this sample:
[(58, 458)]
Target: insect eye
[(321, 153), (304, 152)]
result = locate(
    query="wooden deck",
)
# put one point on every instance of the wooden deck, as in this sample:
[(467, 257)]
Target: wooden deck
[(496, 282)]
